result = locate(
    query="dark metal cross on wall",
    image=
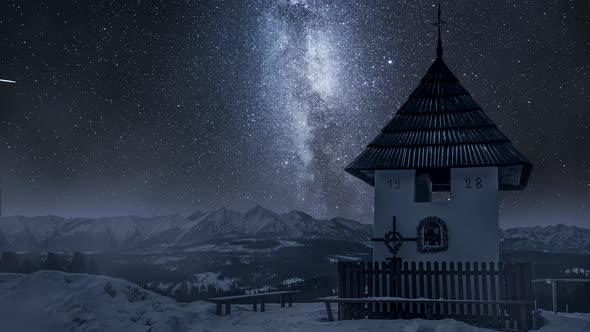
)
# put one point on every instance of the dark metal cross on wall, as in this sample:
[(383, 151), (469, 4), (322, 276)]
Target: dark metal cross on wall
[(393, 239)]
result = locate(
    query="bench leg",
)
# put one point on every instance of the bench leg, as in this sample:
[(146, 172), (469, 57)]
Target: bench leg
[(262, 306), (255, 306), (290, 296), (218, 309), (282, 301), (329, 311), (228, 309)]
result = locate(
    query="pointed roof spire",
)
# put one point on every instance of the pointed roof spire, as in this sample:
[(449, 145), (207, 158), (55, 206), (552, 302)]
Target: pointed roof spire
[(441, 127), (439, 23)]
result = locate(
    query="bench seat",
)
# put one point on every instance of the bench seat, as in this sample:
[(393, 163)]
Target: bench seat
[(525, 305)]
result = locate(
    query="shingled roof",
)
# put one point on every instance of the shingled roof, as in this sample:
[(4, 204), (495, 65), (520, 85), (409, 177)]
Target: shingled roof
[(440, 126)]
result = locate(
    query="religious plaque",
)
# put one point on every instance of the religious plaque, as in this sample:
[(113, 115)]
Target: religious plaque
[(432, 235)]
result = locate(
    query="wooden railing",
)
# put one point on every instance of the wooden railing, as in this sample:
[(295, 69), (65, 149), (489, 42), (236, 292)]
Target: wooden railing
[(501, 294)]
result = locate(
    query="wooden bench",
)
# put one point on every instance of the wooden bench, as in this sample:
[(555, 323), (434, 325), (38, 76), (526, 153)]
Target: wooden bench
[(285, 297), (524, 305)]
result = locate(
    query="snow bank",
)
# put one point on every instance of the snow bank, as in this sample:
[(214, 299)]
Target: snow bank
[(56, 301)]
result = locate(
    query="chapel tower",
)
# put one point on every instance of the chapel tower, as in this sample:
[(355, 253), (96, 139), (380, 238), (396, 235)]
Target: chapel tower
[(437, 167)]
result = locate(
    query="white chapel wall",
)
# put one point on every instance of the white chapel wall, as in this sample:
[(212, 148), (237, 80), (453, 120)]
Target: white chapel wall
[(471, 216)]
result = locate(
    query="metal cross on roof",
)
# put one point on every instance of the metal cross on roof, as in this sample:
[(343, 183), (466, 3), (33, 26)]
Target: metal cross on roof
[(439, 22), (393, 240)]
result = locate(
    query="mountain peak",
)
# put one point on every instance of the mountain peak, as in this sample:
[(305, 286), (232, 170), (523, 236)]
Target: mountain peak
[(298, 215), (259, 210)]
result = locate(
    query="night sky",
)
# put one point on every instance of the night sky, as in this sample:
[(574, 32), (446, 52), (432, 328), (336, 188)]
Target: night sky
[(158, 107)]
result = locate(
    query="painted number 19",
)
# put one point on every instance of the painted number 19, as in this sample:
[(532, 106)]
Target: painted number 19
[(470, 185), (394, 183)]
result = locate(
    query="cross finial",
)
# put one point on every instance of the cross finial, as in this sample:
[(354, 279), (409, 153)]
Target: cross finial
[(439, 23)]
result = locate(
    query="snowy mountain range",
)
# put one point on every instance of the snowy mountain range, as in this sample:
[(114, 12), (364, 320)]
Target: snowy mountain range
[(52, 233), (555, 238), (118, 233)]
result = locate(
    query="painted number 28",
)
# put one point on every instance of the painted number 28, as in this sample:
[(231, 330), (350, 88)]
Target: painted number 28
[(394, 184), (469, 183)]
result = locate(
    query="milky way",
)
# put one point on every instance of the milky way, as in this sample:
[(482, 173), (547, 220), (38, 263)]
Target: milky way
[(304, 72), (158, 107)]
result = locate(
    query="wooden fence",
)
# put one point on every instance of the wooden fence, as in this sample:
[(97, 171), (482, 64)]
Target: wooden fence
[(485, 282)]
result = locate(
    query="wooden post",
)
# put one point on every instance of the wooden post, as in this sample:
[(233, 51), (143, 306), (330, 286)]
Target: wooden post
[(228, 309), (290, 298), (370, 291), (528, 292), (554, 295), (262, 308), (341, 276), (384, 291), (361, 309), (218, 309), (282, 300), (255, 305), (329, 311)]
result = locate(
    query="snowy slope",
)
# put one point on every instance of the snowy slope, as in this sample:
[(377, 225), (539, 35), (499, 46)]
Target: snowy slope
[(56, 301)]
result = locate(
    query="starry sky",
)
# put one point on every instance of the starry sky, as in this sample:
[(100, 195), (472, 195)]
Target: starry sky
[(158, 107)]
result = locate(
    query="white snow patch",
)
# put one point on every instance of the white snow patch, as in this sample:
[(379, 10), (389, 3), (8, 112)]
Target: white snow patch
[(292, 281), (337, 258)]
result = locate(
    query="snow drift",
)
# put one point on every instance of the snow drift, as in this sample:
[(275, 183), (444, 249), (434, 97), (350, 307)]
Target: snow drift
[(56, 301)]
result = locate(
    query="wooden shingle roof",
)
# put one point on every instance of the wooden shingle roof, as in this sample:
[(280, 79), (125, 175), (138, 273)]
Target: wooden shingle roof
[(441, 126)]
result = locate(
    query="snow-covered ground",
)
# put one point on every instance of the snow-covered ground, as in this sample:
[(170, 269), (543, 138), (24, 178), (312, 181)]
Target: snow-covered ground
[(55, 301)]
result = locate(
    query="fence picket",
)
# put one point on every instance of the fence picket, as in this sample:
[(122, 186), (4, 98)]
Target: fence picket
[(460, 289), (384, 290), (421, 288), (487, 282), (445, 287), (452, 278), (436, 277), (468, 295), (484, 289), (406, 291), (494, 276), (414, 289), (476, 293), (377, 290)]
